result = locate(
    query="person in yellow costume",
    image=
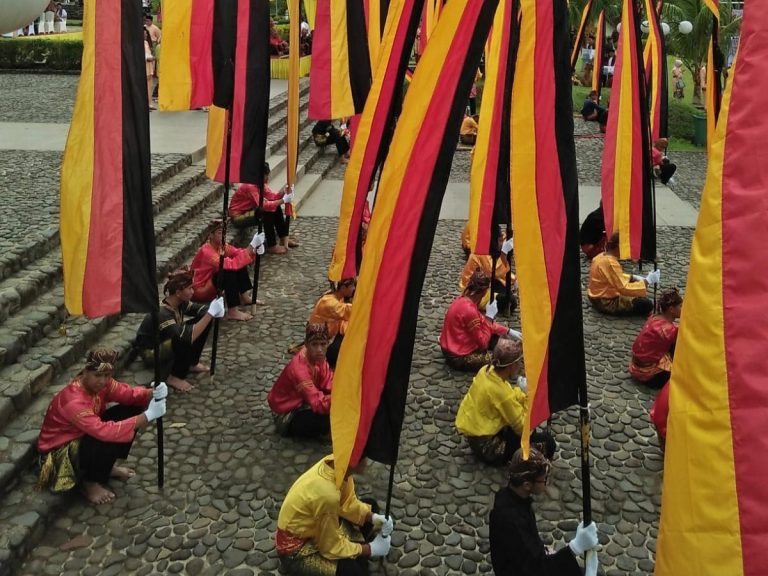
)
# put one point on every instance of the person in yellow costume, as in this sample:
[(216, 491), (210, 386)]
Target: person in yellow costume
[(499, 280), (492, 413)]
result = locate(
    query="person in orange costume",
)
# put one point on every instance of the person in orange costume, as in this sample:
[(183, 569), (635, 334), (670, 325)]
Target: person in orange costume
[(334, 309)]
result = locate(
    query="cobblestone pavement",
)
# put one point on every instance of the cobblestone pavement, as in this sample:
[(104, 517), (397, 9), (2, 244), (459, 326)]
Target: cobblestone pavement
[(39, 98)]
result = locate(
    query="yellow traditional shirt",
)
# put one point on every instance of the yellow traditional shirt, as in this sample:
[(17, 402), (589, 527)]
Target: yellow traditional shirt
[(333, 312), (312, 509), (608, 280), (491, 404)]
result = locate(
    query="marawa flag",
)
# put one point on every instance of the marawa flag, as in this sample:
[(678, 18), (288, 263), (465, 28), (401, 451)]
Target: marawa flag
[(580, 34), (371, 382), (626, 170), (714, 519), (429, 18), (340, 76), (375, 19), (597, 61), (374, 133), (186, 71), (244, 86), (545, 212), (714, 7), (655, 60), (489, 200), (107, 229), (714, 84)]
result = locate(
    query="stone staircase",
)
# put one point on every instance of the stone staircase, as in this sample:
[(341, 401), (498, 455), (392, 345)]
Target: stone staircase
[(41, 348)]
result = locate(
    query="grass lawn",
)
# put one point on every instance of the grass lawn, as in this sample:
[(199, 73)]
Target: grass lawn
[(50, 37)]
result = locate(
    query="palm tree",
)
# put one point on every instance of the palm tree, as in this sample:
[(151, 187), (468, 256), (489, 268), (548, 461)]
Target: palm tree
[(692, 48), (612, 11)]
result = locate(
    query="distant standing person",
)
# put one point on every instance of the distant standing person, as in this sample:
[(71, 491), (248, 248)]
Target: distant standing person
[(50, 15), (677, 78)]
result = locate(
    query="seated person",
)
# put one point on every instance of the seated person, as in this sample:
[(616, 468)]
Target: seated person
[(468, 130), (592, 234), (235, 280), (181, 342), (468, 336), (323, 530), (591, 111), (492, 414), (300, 399), (611, 291), (334, 309), (277, 46), (245, 204), (660, 413), (81, 439), (663, 169), (654, 346), (516, 547), (325, 133), (499, 282)]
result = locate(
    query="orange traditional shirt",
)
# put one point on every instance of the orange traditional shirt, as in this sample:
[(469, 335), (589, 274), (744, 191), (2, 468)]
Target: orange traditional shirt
[(206, 264), (300, 383), (332, 311), (466, 329), (608, 280)]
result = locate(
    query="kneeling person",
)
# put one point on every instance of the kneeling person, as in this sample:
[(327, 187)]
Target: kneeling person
[(81, 439)]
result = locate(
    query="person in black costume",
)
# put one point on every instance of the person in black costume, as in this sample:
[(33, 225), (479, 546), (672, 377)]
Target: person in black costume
[(592, 234)]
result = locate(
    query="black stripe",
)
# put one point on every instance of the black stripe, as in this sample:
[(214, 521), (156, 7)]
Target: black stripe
[(566, 366), (384, 438), (357, 51), (223, 46), (139, 277), (718, 61), (256, 108), (383, 11)]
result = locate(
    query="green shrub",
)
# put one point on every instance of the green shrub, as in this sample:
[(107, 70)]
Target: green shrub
[(32, 53), (680, 120)]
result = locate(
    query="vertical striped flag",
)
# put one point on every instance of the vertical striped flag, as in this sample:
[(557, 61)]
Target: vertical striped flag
[(714, 84), (626, 170), (714, 518), (371, 382), (655, 60), (714, 7), (374, 132), (597, 61), (186, 72), (375, 19), (580, 34), (489, 193), (545, 212), (244, 85), (310, 9), (107, 230), (429, 18), (340, 76)]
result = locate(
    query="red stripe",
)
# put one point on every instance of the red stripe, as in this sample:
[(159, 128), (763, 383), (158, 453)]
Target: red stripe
[(200, 62), (102, 284), (320, 73), (745, 236)]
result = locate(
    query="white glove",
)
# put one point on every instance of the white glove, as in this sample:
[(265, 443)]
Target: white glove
[(380, 546), (590, 563), (492, 309), (257, 240), (160, 391), (155, 410), (653, 277), (260, 250), (522, 382), (585, 539), (515, 334), (387, 525), (507, 246), (216, 307), (288, 198)]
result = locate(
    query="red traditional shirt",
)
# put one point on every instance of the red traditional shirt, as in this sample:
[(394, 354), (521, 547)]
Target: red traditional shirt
[(650, 351), (247, 198), (206, 264), (74, 413), (300, 383), (660, 411), (466, 329)]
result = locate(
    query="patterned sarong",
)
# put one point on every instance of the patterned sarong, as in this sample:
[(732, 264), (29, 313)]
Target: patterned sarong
[(59, 468), (307, 560)]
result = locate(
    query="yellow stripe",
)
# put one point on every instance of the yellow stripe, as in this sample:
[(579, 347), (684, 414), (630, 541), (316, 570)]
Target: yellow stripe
[(535, 310), (342, 104), (345, 404), (699, 530), (175, 74), (214, 153), (310, 9), (77, 173), (374, 32)]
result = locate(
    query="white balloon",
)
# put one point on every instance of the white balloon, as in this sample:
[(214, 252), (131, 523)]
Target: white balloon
[(15, 14), (664, 28), (685, 27), (644, 26)]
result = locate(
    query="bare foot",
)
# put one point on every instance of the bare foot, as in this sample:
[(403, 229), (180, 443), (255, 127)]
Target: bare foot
[(277, 250), (97, 494), (179, 384), (293, 243), (122, 472), (235, 314), (245, 299), (200, 368)]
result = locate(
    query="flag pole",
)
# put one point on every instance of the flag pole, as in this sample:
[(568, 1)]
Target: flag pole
[(159, 421), (220, 278), (584, 426), (257, 261)]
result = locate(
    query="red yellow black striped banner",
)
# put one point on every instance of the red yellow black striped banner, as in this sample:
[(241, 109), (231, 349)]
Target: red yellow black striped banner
[(626, 169), (340, 76), (250, 100), (429, 18), (107, 230), (371, 381), (374, 132), (655, 61), (713, 512), (375, 19), (293, 92), (580, 34), (186, 74), (714, 7), (597, 61), (545, 212)]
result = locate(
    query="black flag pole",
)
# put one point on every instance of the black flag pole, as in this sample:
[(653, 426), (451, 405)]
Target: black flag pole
[(160, 456), (257, 261)]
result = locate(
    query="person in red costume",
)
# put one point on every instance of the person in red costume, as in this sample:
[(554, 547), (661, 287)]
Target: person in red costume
[(81, 439), (654, 347), (235, 279), (301, 397), (468, 337)]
